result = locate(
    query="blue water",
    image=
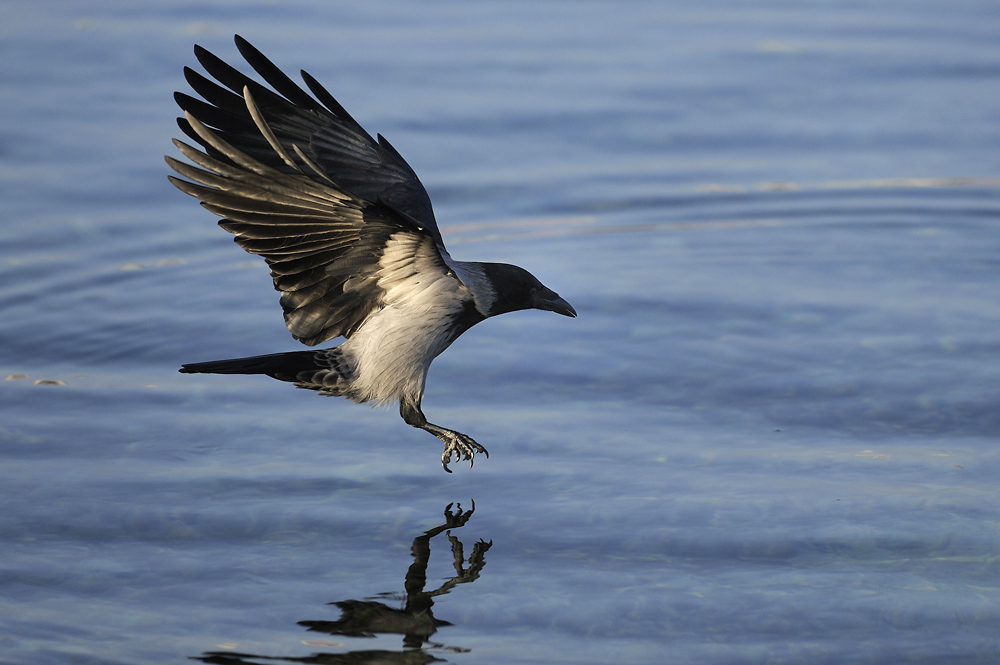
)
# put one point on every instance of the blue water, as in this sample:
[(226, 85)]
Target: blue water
[(771, 436)]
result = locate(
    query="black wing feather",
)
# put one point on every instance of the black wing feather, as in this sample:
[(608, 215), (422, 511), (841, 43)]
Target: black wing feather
[(276, 78), (367, 168), (333, 105)]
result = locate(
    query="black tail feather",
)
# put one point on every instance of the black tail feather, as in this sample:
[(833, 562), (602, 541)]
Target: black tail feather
[(284, 366)]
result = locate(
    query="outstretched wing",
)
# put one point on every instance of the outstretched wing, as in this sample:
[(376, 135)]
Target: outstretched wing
[(319, 128), (325, 242)]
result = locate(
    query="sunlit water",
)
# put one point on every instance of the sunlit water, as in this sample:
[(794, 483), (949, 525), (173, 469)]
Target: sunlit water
[(770, 437)]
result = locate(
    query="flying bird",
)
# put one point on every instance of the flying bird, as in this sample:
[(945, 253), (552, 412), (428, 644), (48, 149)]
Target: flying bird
[(349, 235)]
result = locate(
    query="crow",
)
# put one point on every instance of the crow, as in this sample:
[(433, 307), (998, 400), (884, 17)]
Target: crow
[(348, 233)]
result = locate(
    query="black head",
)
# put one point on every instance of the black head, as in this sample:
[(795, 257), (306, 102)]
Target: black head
[(516, 289)]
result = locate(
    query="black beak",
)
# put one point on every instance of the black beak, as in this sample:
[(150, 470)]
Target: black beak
[(557, 305)]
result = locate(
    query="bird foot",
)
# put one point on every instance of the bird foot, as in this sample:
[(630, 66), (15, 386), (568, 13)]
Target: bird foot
[(461, 445)]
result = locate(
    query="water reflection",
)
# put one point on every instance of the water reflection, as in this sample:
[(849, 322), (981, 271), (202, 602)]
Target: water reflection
[(415, 621)]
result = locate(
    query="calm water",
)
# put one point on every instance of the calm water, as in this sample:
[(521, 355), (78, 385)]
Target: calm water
[(770, 437)]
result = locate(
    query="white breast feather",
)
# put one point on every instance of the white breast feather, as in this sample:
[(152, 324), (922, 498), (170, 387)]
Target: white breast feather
[(393, 349)]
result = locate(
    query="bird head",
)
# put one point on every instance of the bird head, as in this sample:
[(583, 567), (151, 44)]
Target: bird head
[(516, 289)]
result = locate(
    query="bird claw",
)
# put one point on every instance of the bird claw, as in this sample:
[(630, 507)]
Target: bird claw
[(463, 446)]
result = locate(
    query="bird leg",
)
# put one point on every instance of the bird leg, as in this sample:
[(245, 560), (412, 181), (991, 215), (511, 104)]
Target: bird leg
[(461, 445)]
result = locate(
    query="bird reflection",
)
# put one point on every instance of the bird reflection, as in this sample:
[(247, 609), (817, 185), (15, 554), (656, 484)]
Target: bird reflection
[(371, 617)]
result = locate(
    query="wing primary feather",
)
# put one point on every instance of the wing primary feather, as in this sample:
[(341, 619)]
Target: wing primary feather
[(193, 135), (274, 76), (384, 143), (327, 99), (214, 93), (261, 226), (236, 156), (252, 200), (235, 80), (250, 187), (215, 116), (223, 72), (265, 129), (297, 188), (311, 164)]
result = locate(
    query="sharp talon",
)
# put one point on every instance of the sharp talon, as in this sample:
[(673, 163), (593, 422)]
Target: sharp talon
[(461, 446)]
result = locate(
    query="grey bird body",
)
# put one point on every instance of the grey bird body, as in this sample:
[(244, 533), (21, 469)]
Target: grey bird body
[(349, 235)]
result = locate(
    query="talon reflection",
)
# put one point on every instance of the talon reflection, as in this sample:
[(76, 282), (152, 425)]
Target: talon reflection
[(370, 617)]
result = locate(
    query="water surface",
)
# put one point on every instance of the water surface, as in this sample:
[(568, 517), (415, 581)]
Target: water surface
[(770, 436)]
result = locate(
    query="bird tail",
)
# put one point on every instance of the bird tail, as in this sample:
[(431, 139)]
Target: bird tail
[(277, 365), (327, 370)]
